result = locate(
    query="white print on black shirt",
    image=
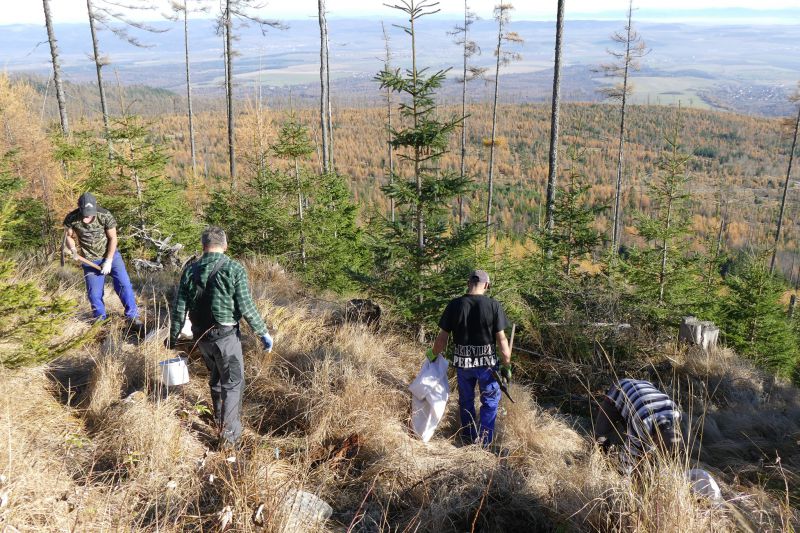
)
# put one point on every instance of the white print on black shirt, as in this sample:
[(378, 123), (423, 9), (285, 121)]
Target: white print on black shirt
[(466, 356)]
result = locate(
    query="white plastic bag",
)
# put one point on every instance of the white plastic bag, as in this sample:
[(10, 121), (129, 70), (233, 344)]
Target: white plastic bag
[(703, 484), (186, 330), (429, 393)]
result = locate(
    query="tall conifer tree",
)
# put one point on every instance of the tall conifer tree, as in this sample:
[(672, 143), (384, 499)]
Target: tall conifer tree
[(420, 257)]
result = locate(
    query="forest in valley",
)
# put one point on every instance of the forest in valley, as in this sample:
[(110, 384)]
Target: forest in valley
[(603, 226)]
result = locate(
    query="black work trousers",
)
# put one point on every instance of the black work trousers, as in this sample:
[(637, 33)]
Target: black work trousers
[(225, 362)]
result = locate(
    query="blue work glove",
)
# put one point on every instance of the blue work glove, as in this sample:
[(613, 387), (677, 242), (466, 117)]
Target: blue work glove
[(105, 268), (266, 342)]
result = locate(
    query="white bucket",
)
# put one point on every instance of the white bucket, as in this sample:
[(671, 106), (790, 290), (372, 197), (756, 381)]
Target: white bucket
[(174, 372)]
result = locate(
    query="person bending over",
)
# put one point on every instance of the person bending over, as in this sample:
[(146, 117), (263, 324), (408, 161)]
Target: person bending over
[(644, 420)]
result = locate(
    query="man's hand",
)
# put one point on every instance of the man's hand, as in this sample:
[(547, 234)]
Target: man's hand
[(505, 374), (73, 253), (430, 355), (266, 342), (105, 268)]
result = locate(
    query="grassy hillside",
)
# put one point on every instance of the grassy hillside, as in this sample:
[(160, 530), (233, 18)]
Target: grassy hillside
[(90, 441)]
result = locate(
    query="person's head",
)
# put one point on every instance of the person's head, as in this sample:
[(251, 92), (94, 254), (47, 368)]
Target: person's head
[(214, 239), (478, 282), (87, 204), (667, 437)]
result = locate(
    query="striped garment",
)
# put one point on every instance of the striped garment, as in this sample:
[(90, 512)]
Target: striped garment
[(642, 406)]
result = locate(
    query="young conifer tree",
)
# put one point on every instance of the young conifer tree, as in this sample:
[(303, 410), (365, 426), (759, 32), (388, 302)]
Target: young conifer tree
[(666, 276), (420, 257), (573, 235), (31, 316), (335, 245), (294, 144), (754, 320), (137, 190)]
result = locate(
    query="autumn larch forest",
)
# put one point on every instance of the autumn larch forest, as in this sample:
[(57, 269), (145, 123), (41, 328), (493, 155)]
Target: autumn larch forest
[(631, 228)]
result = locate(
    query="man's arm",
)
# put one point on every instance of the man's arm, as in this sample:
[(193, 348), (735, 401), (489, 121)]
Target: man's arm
[(606, 419), (69, 240), (505, 349), (111, 247), (244, 301), (440, 343)]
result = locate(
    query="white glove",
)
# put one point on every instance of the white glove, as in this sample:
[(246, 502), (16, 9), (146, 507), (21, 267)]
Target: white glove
[(105, 268)]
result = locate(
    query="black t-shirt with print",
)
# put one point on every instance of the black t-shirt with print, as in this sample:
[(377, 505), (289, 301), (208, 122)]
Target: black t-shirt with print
[(474, 320)]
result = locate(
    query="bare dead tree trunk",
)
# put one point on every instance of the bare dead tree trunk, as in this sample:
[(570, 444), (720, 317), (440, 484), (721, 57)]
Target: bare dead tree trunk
[(721, 233), (98, 63), (330, 105), (389, 104), (464, 112), (494, 132), (229, 86), (60, 98), (621, 149), (324, 99), (300, 212), (189, 87), (554, 119), (785, 193)]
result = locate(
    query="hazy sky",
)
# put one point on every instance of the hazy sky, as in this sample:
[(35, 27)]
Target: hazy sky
[(30, 11)]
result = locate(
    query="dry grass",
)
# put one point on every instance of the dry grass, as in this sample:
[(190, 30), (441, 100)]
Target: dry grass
[(327, 412)]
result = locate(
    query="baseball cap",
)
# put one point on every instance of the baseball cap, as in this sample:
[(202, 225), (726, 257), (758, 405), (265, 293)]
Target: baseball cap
[(87, 203), (480, 276)]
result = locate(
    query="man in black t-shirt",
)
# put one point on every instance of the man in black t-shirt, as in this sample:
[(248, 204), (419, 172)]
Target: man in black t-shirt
[(476, 323)]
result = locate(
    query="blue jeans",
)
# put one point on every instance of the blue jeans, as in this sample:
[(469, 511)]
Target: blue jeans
[(472, 426), (122, 286)]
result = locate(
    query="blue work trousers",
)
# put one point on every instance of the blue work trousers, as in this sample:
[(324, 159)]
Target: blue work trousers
[(122, 286), (472, 426)]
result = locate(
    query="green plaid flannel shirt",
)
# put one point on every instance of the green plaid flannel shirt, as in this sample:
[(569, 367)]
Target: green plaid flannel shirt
[(230, 295)]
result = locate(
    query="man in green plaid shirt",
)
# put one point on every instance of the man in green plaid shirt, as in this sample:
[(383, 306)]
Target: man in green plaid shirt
[(214, 291)]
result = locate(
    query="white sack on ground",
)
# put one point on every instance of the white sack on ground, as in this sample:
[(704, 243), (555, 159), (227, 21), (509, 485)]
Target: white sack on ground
[(703, 484), (429, 393)]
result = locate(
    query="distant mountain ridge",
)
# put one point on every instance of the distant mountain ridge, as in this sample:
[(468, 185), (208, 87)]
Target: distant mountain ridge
[(748, 69)]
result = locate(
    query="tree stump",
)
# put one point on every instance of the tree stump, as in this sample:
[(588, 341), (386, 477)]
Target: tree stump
[(363, 311), (698, 333)]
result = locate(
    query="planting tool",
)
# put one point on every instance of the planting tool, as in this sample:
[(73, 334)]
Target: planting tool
[(63, 246), (80, 259), (504, 388)]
